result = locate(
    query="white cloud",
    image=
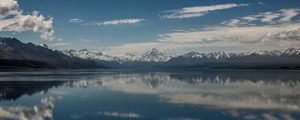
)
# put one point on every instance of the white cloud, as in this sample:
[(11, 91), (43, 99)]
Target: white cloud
[(76, 20), (8, 7), (55, 44), (190, 12), (261, 37), (120, 21), (13, 19), (281, 32), (87, 40), (144, 46), (120, 114), (278, 17)]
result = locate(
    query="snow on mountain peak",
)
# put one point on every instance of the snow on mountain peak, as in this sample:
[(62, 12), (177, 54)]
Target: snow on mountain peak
[(194, 54), (154, 55), (127, 57), (213, 55), (291, 51), (266, 52), (86, 54), (217, 55)]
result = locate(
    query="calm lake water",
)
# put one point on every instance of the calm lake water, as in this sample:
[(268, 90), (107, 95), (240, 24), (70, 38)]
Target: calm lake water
[(149, 95)]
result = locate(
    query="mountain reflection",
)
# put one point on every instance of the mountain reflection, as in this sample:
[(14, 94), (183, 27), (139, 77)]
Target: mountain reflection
[(10, 90), (213, 89), (220, 90)]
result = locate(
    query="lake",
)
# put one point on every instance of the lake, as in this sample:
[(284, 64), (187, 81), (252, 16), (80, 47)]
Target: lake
[(92, 94)]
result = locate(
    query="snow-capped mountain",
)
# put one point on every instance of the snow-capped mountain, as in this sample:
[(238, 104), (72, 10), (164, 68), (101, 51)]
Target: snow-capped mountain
[(155, 55), (291, 52), (156, 58), (127, 57), (86, 54), (289, 58), (16, 54), (267, 53), (223, 55), (193, 54), (213, 55), (217, 55), (99, 56)]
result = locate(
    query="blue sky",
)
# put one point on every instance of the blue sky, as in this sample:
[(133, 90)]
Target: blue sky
[(175, 26)]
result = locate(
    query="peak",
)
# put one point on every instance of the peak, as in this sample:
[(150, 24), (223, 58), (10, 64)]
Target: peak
[(44, 45), (292, 49), (154, 49), (83, 50), (9, 39), (289, 50), (10, 42), (218, 53), (193, 52), (154, 55)]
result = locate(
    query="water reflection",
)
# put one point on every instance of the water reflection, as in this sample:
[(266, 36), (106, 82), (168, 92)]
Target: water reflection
[(215, 90), (241, 95), (10, 90), (36, 112)]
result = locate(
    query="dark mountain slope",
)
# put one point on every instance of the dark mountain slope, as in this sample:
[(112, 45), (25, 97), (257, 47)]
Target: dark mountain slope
[(15, 54)]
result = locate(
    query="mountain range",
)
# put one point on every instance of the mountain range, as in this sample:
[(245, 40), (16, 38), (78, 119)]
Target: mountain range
[(15, 54), (274, 59)]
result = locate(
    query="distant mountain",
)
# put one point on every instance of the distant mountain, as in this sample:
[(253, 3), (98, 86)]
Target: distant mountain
[(274, 59), (152, 55), (291, 52), (149, 58), (15, 54), (155, 55)]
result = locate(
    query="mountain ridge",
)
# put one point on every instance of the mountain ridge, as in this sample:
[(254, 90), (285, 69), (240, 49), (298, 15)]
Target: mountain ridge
[(154, 58), (15, 54)]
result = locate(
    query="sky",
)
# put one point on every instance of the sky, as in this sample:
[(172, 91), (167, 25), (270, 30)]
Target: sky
[(134, 26)]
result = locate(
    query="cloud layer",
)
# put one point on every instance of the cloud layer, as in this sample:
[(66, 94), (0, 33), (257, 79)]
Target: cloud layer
[(121, 21), (13, 19), (125, 21), (277, 17), (120, 115), (76, 20), (190, 12), (267, 37), (268, 30)]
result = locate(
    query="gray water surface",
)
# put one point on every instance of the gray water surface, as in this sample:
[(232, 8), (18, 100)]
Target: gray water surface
[(149, 95)]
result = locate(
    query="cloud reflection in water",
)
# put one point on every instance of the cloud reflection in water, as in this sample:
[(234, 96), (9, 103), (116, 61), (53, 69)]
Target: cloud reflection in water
[(36, 112), (238, 94), (215, 91)]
